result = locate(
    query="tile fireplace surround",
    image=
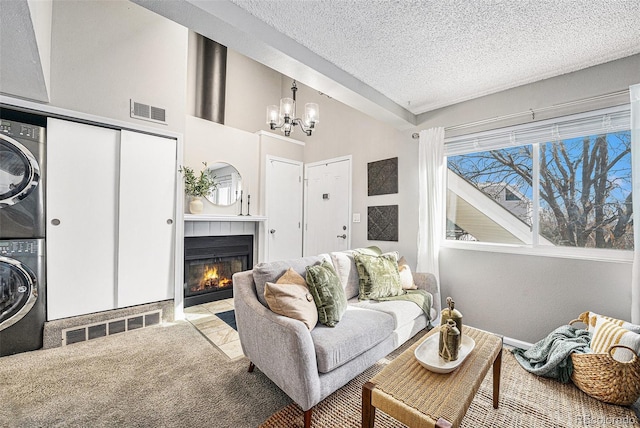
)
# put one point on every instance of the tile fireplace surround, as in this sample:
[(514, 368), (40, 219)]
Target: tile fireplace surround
[(223, 225)]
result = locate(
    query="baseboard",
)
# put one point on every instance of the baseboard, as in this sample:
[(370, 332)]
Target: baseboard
[(517, 343)]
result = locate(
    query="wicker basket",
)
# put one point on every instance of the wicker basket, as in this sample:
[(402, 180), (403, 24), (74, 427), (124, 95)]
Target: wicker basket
[(606, 379)]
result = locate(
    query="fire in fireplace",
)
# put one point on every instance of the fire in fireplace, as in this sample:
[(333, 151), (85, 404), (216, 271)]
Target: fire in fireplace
[(210, 262)]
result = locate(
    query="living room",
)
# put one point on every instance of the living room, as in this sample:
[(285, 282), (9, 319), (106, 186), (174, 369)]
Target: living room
[(104, 54)]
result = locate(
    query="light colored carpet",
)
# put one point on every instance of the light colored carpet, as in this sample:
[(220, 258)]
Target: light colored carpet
[(164, 376), (526, 401), (171, 376)]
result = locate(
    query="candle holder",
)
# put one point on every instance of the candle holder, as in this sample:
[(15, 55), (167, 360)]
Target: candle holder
[(241, 203), (248, 204)]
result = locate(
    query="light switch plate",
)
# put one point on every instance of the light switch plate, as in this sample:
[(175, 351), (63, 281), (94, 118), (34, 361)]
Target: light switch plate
[(356, 217)]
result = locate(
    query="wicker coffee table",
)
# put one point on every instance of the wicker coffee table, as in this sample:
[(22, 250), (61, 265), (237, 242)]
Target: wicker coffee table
[(420, 398)]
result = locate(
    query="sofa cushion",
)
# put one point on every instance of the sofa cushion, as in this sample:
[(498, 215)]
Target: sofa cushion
[(346, 270), (345, 266), (327, 293), (358, 331), (401, 311), (272, 271), (378, 275)]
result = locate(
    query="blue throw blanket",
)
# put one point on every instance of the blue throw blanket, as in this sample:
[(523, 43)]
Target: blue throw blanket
[(551, 357)]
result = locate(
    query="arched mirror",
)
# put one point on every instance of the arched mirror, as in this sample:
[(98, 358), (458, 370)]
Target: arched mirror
[(228, 184)]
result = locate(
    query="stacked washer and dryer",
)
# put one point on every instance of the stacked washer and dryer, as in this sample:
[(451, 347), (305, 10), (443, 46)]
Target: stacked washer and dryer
[(22, 232)]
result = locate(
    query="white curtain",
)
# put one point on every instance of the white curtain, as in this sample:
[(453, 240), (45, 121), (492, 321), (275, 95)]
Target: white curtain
[(431, 170), (635, 168)]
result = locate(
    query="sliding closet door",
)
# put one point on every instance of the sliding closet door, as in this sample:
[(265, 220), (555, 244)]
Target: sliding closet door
[(81, 218), (146, 219)]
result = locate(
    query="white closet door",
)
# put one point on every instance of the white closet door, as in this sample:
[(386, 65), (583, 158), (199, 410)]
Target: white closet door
[(81, 203), (147, 219), (283, 203)]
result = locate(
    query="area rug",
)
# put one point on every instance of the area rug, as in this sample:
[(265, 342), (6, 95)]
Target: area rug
[(229, 317), (526, 401)]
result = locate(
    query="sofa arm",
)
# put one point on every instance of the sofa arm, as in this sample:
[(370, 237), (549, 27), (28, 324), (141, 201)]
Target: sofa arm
[(427, 281), (280, 347)]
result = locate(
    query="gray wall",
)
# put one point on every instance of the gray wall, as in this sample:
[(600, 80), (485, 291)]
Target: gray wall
[(526, 297)]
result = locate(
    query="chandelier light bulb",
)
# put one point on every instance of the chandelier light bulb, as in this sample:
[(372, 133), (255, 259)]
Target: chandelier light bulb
[(272, 114), (311, 114), (285, 117), (286, 107)]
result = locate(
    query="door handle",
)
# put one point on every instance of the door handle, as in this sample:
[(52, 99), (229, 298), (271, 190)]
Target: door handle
[(272, 231), (343, 236)]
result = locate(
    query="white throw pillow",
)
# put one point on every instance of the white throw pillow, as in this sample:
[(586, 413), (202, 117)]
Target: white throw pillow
[(406, 277)]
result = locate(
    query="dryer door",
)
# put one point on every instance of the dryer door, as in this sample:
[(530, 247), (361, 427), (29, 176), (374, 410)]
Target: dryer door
[(19, 171), (18, 292)]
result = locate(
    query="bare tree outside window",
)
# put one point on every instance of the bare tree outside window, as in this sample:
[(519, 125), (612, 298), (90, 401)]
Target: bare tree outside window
[(585, 188)]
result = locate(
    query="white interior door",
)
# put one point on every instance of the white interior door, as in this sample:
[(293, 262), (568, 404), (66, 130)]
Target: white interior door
[(81, 218), (327, 206), (283, 207), (146, 218)]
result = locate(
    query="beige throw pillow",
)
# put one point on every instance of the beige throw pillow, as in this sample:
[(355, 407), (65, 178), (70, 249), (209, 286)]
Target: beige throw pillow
[(291, 277), (290, 297), (406, 277)]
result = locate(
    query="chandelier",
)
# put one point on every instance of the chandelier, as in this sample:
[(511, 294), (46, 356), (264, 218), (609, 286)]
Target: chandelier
[(285, 117)]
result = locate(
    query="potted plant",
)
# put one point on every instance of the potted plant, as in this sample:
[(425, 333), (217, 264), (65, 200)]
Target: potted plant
[(197, 186)]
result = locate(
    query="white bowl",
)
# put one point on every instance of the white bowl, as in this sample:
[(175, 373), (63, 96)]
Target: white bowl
[(427, 354)]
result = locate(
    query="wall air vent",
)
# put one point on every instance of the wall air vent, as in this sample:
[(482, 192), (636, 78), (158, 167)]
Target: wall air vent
[(86, 332), (147, 112)]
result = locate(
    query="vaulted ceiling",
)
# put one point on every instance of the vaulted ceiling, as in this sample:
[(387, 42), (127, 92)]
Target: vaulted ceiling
[(397, 59)]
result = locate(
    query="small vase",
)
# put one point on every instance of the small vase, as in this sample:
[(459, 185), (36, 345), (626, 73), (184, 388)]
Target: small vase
[(195, 205)]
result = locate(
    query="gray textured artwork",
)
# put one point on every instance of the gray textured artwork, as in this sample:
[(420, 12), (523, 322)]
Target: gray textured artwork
[(382, 223), (382, 177)]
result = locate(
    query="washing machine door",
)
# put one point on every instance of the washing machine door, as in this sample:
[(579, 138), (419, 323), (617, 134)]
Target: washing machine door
[(18, 291), (19, 171)]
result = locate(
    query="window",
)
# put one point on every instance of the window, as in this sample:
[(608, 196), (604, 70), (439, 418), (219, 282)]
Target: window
[(562, 183)]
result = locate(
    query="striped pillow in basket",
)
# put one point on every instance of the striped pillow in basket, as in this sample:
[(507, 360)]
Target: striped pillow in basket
[(606, 334), (591, 318)]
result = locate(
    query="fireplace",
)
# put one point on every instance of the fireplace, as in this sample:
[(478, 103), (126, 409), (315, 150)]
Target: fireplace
[(209, 264)]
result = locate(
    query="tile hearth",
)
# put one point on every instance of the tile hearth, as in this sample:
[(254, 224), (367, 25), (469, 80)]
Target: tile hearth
[(203, 317)]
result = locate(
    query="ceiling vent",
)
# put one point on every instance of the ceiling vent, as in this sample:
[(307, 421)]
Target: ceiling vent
[(147, 112)]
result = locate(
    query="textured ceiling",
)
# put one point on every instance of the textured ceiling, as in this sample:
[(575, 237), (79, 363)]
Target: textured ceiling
[(432, 53)]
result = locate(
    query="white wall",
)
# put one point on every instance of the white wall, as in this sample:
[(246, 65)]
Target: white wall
[(104, 53), (210, 142)]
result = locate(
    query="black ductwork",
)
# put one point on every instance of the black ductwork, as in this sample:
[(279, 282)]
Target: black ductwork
[(211, 79)]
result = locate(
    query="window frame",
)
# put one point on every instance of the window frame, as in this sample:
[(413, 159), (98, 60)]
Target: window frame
[(536, 134)]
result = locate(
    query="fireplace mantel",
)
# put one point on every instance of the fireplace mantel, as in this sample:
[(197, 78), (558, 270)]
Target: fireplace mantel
[(221, 217)]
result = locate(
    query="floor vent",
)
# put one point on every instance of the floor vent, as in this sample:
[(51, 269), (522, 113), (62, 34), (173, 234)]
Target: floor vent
[(147, 112), (109, 327)]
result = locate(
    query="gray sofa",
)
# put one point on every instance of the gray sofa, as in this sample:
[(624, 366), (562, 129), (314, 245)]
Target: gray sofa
[(310, 365)]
